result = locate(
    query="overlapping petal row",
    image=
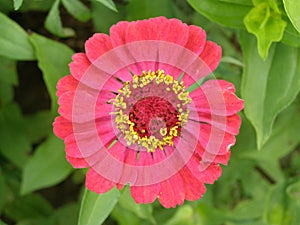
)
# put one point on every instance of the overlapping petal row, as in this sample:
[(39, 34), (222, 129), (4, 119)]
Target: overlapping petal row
[(87, 121)]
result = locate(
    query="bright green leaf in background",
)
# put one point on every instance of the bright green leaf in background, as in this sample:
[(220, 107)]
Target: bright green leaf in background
[(291, 36), (265, 22), (108, 3), (17, 4), (95, 208), (14, 144), (53, 22), (48, 166), (148, 8), (268, 86), (28, 207), (14, 41), (229, 12), (292, 8), (77, 9), (53, 59)]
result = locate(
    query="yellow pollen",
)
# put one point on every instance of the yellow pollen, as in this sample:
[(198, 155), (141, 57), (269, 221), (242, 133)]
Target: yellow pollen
[(128, 128)]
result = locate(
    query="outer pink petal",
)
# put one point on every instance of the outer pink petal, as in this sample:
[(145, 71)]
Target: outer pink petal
[(208, 157), (194, 189), (225, 140), (158, 28), (229, 105), (211, 55), (66, 84), (62, 127), (97, 45), (96, 183), (79, 65), (77, 162), (230, 124), (196, 40), (118, 33), (172, 191), (145, 194)]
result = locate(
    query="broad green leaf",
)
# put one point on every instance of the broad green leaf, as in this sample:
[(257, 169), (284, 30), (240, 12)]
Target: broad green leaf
[(293, 191), (46, 167), (28, 207), (141, 210), (67, 214), (268, 86), (229, 13), (53, 22), (148, 8), (14, 41), (267, 25), (291, 36), (6, 6), (99, 12), (95, 208), (292, 8), (208, 215), (184, 215), (109, 4), (37, 5), (125, 217), (280, 209), (53, 59), (37, 221), (38, 126), (3, 191), (8, 71), (17, 4), (77, 9), (2, 223), (14, 144)]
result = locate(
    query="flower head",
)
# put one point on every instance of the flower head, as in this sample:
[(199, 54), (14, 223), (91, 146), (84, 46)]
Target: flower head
[(130, 114)]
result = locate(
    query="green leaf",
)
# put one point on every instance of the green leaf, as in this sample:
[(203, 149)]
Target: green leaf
[(184, 215), (99, 12), (14, 144), (77, 9), (229, 13), (2, 223), (53, 59), (95, 208), (8, 79), (53, 22), (291, 36), (109, 4), (268, 86), (292, 8), (3, 191), (293, 190), (125, 217), (14, 41), (38, 126), (267, 25), (141, 210), (148, 8), (17, 4), (67, 214), (28, 207), (46, 167)]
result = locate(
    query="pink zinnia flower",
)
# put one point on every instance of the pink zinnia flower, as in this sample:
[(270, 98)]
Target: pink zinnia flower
[(128, 115)]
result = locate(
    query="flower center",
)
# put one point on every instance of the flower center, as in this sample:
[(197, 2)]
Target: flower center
[(151, 110)]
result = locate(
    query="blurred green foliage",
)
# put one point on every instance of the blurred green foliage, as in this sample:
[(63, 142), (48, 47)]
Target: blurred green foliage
[(261, 184)]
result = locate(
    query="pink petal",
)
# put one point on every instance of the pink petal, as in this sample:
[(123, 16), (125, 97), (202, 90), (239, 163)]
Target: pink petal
[(230, 124), (79, 65), (62, 127), (194, 189), (159, 28), (211, 55), (219, 142), (145, 194), (118, 33), (172, 191), (66, 84), (214, 97), (196, 40), (97, 183), (77, 162), (97, 45)]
